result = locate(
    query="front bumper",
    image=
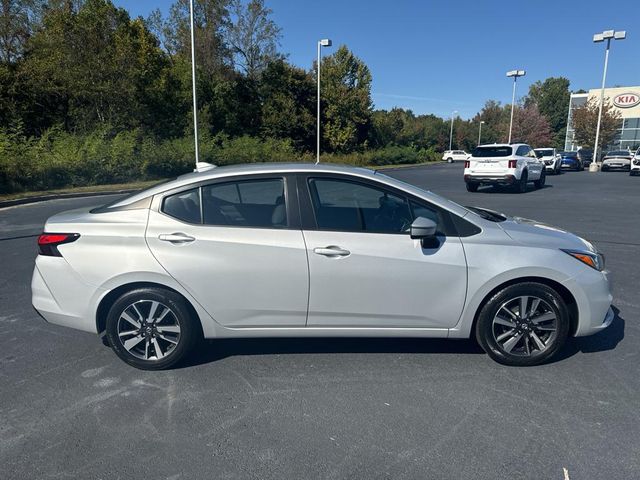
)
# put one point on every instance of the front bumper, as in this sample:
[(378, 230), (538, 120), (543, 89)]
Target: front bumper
[(592, 292)]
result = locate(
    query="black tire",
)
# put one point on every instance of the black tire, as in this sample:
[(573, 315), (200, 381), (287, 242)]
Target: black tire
[(449, 160), (472, 187), (521, 186), (543, 177), (485, 326), (179, 315), (604, 168)]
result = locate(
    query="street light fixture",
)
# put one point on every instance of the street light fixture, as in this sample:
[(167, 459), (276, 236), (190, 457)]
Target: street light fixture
[(325, 42), (607, 35), (480, 131), (453, 114), (515, 74)]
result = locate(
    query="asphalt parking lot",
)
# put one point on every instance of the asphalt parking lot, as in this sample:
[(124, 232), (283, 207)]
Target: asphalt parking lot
[(332, 408)]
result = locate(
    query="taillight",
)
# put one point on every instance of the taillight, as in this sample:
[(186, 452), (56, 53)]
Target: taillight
[(48, 242), (513, 164), (467, 164)]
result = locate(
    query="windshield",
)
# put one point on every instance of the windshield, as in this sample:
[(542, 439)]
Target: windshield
[(618, 153), (569, 154), (546, 152), (483, 152)]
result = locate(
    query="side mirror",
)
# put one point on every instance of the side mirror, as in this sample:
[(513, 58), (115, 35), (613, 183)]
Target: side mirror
[(422, 228)]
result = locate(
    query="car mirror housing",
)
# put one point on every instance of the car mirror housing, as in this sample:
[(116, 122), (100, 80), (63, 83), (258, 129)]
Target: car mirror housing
[(422, 228)]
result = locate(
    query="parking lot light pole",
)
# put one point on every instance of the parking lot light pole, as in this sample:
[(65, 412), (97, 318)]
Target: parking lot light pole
[(453, 114), (480, 131), (325, 42), (193, 83), (607, 35), (515, 74)]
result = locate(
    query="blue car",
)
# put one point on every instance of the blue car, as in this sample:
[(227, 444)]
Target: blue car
[(571, 160)]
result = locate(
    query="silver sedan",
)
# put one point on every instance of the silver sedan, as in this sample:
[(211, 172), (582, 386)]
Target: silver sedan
[(301, 250)]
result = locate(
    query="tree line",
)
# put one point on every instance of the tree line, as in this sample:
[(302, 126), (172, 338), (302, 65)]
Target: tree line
[(90, 95)]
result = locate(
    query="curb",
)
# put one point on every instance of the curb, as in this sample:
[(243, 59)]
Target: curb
[(58, 196)]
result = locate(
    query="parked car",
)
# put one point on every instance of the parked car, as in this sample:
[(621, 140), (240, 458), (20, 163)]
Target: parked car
[(635, 164), (504, 164), (550, 157), (617, 159), (300, 250), (455, 156), (571, 161), (586, 156)]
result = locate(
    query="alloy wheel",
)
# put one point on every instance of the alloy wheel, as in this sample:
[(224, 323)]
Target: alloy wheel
[(148, 330), (525, 326)]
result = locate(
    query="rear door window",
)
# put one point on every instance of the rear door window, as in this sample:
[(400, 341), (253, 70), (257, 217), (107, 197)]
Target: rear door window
[(247, 203), (184, 206)]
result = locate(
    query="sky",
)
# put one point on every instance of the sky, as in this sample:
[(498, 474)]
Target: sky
[(444, 56)]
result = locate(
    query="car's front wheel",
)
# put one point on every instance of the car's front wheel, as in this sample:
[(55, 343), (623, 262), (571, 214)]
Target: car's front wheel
[(449, 160), (523, 324), (151, 328)]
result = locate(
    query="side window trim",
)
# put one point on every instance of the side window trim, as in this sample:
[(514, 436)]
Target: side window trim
[(307, 212), (291, 198)]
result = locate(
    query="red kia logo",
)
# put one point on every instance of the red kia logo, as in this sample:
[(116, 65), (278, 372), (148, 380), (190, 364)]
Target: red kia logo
[(626, 100)]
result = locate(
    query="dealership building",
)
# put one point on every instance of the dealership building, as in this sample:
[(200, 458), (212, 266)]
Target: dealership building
[(625, 100)]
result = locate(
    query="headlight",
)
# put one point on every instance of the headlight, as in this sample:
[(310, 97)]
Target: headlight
[(594, 260)]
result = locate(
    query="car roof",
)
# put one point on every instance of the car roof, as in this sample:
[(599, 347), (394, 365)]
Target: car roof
[(281, 168)]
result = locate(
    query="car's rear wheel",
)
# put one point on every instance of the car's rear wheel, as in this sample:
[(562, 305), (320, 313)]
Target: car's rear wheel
[(541, 181), (472, 187), (523, 324), (151, 328), (521, 186)]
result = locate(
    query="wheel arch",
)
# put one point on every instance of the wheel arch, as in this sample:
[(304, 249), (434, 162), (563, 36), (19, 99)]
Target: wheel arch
[(563, 291), (107, 301)]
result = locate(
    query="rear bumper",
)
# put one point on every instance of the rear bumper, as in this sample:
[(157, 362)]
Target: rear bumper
[(490, 179), (69, 307)]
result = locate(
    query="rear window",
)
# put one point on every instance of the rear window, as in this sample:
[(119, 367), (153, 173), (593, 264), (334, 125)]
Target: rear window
[(570, 154), (483, 152), (547, 152)]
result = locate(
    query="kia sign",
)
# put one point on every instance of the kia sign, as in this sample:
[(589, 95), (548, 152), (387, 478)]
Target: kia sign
[(626, 100)]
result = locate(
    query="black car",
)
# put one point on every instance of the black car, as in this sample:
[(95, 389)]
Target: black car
[(586, 156)]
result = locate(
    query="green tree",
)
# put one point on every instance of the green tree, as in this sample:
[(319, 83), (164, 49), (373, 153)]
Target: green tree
[(585, 121), (346, 98), (252, 36), (211, 17), (552, 99), (93, 66), (287, 101)]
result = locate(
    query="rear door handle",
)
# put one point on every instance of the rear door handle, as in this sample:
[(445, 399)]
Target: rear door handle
[(175, 238), (332, 251)]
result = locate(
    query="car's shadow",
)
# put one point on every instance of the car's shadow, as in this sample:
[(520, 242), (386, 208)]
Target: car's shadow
[(218, 349)]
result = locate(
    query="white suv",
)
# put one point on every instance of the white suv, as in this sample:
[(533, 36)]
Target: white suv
[(504, 164), (635, 164), (455, 156), (550, 157)]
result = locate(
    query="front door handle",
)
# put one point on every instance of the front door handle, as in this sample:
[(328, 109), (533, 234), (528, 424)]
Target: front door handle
[(175, 238), (332, 251)]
